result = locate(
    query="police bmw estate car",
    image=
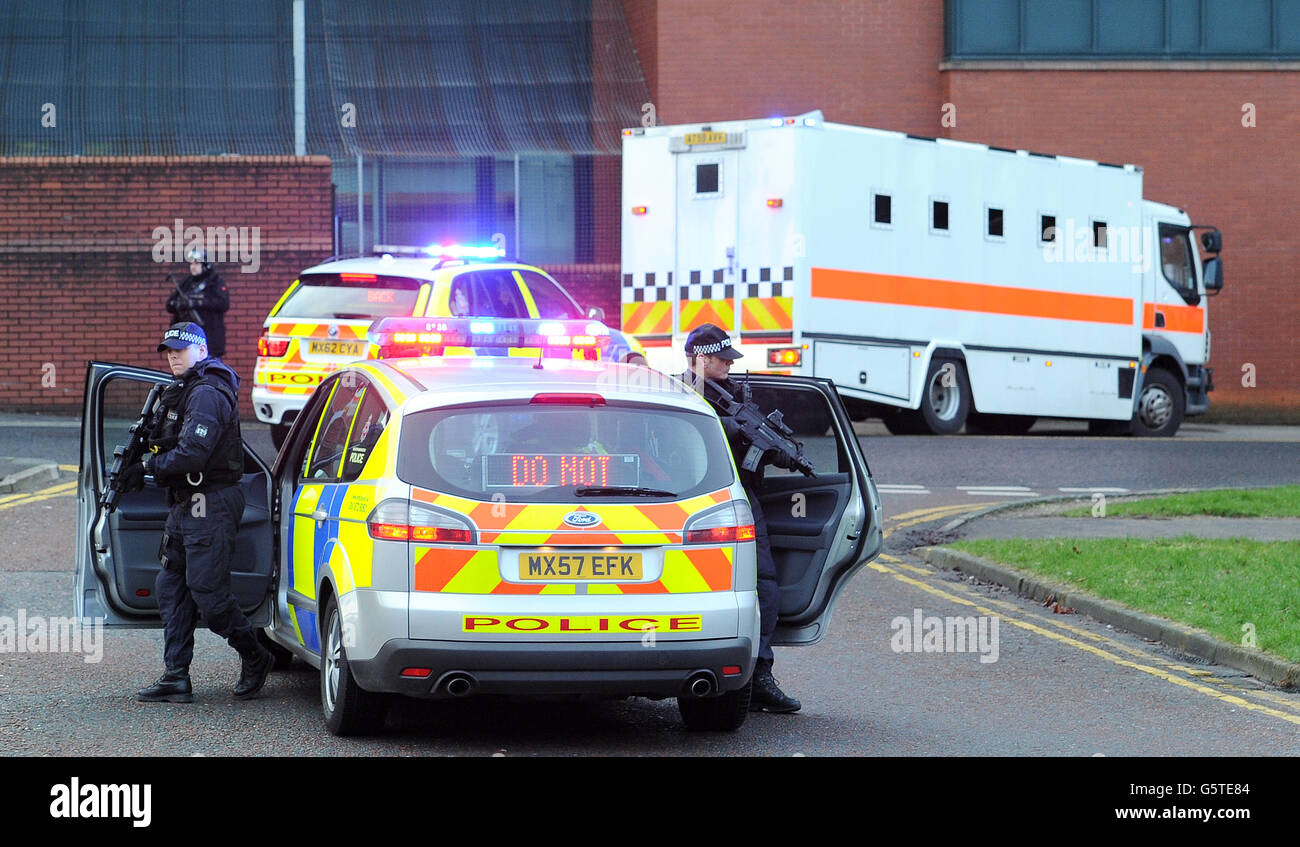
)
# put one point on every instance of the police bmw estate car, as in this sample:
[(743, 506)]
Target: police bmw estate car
[(443, 527), (320, 322)]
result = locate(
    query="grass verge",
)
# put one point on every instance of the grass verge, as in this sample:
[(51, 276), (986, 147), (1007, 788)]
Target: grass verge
[(1215, 585), (1280, 502)]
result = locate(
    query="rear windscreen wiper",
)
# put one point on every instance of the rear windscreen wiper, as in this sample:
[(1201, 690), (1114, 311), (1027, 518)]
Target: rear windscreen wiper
[(616, 490)]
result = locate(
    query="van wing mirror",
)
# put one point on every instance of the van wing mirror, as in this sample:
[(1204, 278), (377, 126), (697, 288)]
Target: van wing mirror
[(1213, 274), (595, 313)]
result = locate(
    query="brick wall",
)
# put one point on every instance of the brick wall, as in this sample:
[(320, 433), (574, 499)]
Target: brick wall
[(78, 276), (869, 62)]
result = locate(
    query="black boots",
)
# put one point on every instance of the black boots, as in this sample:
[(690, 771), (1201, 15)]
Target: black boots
[(768, 696), (257, 663), (171, 687)]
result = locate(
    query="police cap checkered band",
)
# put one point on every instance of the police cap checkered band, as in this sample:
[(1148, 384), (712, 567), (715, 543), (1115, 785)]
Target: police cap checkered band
[(180, 336), (711, 340)]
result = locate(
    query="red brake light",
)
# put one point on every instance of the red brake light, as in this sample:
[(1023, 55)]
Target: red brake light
[(390, 532), (721, 534), (272, 348), (441, 535), (785, 356), (358, 277), (569, 399)]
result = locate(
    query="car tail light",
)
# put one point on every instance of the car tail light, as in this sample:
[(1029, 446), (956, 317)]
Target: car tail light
[(728, 523), (402, 520), (568, 399), (272, 348), (785, 357)]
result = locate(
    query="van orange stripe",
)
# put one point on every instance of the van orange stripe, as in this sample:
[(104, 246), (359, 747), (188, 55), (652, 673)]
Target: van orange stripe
[(1177, 318), (969, 296)]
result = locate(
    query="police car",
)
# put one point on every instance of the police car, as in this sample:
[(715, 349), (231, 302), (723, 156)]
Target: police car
[(320, 323), (444, 527)]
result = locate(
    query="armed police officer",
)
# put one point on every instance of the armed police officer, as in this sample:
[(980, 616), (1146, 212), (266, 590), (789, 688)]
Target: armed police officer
[(202, 298), (709, 356), (197, 454)]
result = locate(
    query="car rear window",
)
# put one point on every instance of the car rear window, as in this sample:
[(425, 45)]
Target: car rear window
[(344, 296), (544, 453)]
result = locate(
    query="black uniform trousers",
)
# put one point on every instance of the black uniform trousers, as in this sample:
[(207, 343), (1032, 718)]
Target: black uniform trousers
[(769, 590), (196, 571)]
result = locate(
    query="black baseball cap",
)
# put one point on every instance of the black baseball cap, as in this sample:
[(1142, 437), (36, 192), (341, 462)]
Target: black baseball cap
[(711, 340), (180, 336)]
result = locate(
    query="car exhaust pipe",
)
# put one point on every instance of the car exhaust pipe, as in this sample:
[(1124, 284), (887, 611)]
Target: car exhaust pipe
[(701, 684), (456, 684)]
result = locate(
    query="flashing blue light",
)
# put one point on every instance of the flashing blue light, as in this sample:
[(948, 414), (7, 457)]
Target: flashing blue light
[(809, 122), (482, 326), (465, 251), (551, 328)]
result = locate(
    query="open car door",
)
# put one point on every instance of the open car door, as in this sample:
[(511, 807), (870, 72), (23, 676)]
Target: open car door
[(824, 528), (117, 553)]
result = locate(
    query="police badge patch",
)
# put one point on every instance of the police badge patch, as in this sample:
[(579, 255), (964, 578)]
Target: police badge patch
[(201, 431)]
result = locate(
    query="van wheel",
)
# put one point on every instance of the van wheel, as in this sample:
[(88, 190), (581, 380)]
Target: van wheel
[(278, 433), (1160, 406), (989, 424), (945, 399), (725, 713), (349, 708)]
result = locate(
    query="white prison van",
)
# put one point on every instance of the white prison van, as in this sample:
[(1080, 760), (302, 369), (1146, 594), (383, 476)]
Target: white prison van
[(939, 283)]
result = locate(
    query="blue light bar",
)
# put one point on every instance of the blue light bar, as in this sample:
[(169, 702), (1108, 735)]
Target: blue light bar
[(465, 251)]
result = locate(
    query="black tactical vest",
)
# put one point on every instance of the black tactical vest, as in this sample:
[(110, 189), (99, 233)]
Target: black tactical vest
[(226, 462)]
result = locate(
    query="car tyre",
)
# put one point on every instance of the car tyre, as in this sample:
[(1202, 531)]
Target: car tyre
[(349, 709), (724, 713)]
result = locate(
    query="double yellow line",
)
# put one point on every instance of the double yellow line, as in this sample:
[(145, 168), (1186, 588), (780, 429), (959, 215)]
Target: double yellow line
[(13, 500), (1108, 649)]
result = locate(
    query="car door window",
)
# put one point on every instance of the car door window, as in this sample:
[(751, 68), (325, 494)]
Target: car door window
[(551, 300), (332, 434), (805, 411), (372, 417), (495, 294), (122, 400)]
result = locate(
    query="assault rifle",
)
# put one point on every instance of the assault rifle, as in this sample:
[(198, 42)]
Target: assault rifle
[(125, 455), (186, 303), (764, 432)]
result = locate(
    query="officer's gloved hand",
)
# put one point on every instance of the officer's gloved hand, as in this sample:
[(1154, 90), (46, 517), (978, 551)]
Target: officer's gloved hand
[(132, 477)]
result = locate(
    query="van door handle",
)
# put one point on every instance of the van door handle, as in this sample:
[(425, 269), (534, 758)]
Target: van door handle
[(320, 516)]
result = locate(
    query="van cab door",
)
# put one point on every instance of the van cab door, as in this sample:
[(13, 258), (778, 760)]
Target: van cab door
[(824, 528), (118, 552)]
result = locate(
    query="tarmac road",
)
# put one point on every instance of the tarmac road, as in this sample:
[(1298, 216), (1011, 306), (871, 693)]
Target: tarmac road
[(1061, 684)]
